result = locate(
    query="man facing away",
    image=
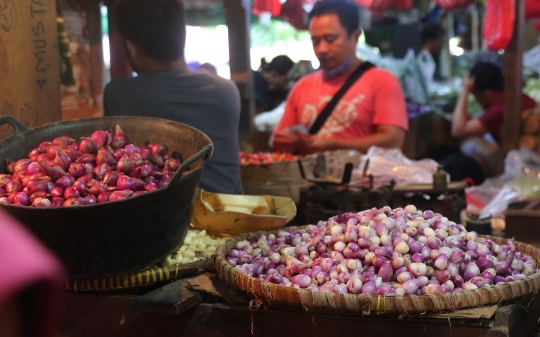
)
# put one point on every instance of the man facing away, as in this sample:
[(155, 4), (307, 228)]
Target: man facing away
[(371, 113), (154, 36)]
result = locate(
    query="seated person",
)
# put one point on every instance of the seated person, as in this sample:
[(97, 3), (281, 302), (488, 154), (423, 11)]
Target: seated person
[(272, 82), (154, 34), (486, 82), (372, 112)]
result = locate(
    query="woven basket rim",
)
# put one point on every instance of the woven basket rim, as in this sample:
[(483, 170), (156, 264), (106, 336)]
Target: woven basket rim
[(407, 304)]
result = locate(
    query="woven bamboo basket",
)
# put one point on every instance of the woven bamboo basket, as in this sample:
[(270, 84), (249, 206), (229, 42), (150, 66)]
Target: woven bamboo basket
[(274, 294), (148, 277)]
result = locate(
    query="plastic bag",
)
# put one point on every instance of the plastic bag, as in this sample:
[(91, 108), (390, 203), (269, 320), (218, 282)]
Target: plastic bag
[(499, 23), (489, 200), (328, 166), (391, 164), (453, 4)]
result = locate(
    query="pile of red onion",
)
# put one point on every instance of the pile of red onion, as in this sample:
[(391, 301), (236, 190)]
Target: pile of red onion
[(382, 252), (97, 169)]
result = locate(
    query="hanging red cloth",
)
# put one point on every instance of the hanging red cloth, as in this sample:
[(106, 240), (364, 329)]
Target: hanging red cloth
[(270, 6), (376, 6), (499, 23), (453, 4), (532, 9), (293, 12)]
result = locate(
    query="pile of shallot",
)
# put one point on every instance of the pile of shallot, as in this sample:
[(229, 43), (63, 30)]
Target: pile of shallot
[(382, 252), (97, 169)]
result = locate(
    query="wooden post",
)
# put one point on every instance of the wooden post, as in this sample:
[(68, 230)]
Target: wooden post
[(512, 86), (96, 53), (238, 15), (119, 63), (29, 63)]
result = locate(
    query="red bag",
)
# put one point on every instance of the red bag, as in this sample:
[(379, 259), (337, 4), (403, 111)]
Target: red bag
[(271, 6), (499, 23), (376, 6), (453, 4), (532, 9)]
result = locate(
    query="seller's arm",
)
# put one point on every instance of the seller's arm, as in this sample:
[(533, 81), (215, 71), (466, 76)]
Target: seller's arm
[(386, 136), (282, 138), (462, 125)]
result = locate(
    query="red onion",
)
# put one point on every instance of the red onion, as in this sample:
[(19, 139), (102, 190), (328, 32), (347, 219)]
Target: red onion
[(136, 172), (145, 153), (62, 160), (62, 141), (102, 138), (125, 164), (136, 159), (165, 177), (174, 164), (87, 158), (111, 178), (57, 192), (101, 170), (73, 202), (52, 151), (88, 145), (89, 200), (33, 154), (77, 169), (120, 138), (14, 186), (4, 179), (5, 201), (80, 186), (42, 159), (10, 166), (138, 193), (131, 148), (128, 183), (97, 189), (71, 154), (21, 165), (104, 156), (159, 149), (91, 183), (41, 202), (103, 197), (120, 195), (157, 160), (21, 198), (71, 192), (118, 153), (151, 187), (147, 170), (43, 147), (86, 177), (65, 182)]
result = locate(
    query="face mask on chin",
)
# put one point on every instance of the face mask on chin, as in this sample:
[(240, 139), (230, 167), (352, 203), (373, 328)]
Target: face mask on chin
[(339, 70)]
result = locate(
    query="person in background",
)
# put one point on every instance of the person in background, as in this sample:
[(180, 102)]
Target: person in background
[(486, 82), (371, 113), (209, 68), (271, 82), (432, 39), (30, 301), (154, 35)]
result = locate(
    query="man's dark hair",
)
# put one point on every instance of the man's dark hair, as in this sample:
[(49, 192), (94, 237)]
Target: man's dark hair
[(281, 64), (346, 10), (487, 76), (431, 32), (157, 26)]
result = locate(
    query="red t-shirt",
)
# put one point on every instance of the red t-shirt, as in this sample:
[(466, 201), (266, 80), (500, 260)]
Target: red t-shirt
[(376, 98), (493, 117)]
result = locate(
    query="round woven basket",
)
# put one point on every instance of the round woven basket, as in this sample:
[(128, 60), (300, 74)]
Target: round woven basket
[(275, 294)]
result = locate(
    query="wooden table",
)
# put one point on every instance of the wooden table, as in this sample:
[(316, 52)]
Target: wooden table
[(204, 306)]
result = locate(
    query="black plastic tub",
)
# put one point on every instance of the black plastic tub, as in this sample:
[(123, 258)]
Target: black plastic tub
[(117, 237)]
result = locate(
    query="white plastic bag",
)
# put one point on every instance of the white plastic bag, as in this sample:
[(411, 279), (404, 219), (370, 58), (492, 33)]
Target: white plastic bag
[(390, 164)]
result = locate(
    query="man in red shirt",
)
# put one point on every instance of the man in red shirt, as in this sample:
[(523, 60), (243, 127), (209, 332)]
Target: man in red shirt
[(486, 82), (372, 111), (478, 158)]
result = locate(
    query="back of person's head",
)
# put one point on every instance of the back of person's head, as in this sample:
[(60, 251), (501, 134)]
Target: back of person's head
[(208, 67), (346, 10), (157, 26), (487, 76), (431, 32), (280, 64)]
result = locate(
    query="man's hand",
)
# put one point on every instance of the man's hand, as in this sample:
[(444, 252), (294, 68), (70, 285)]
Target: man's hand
[(468, 83), (283, 141)]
